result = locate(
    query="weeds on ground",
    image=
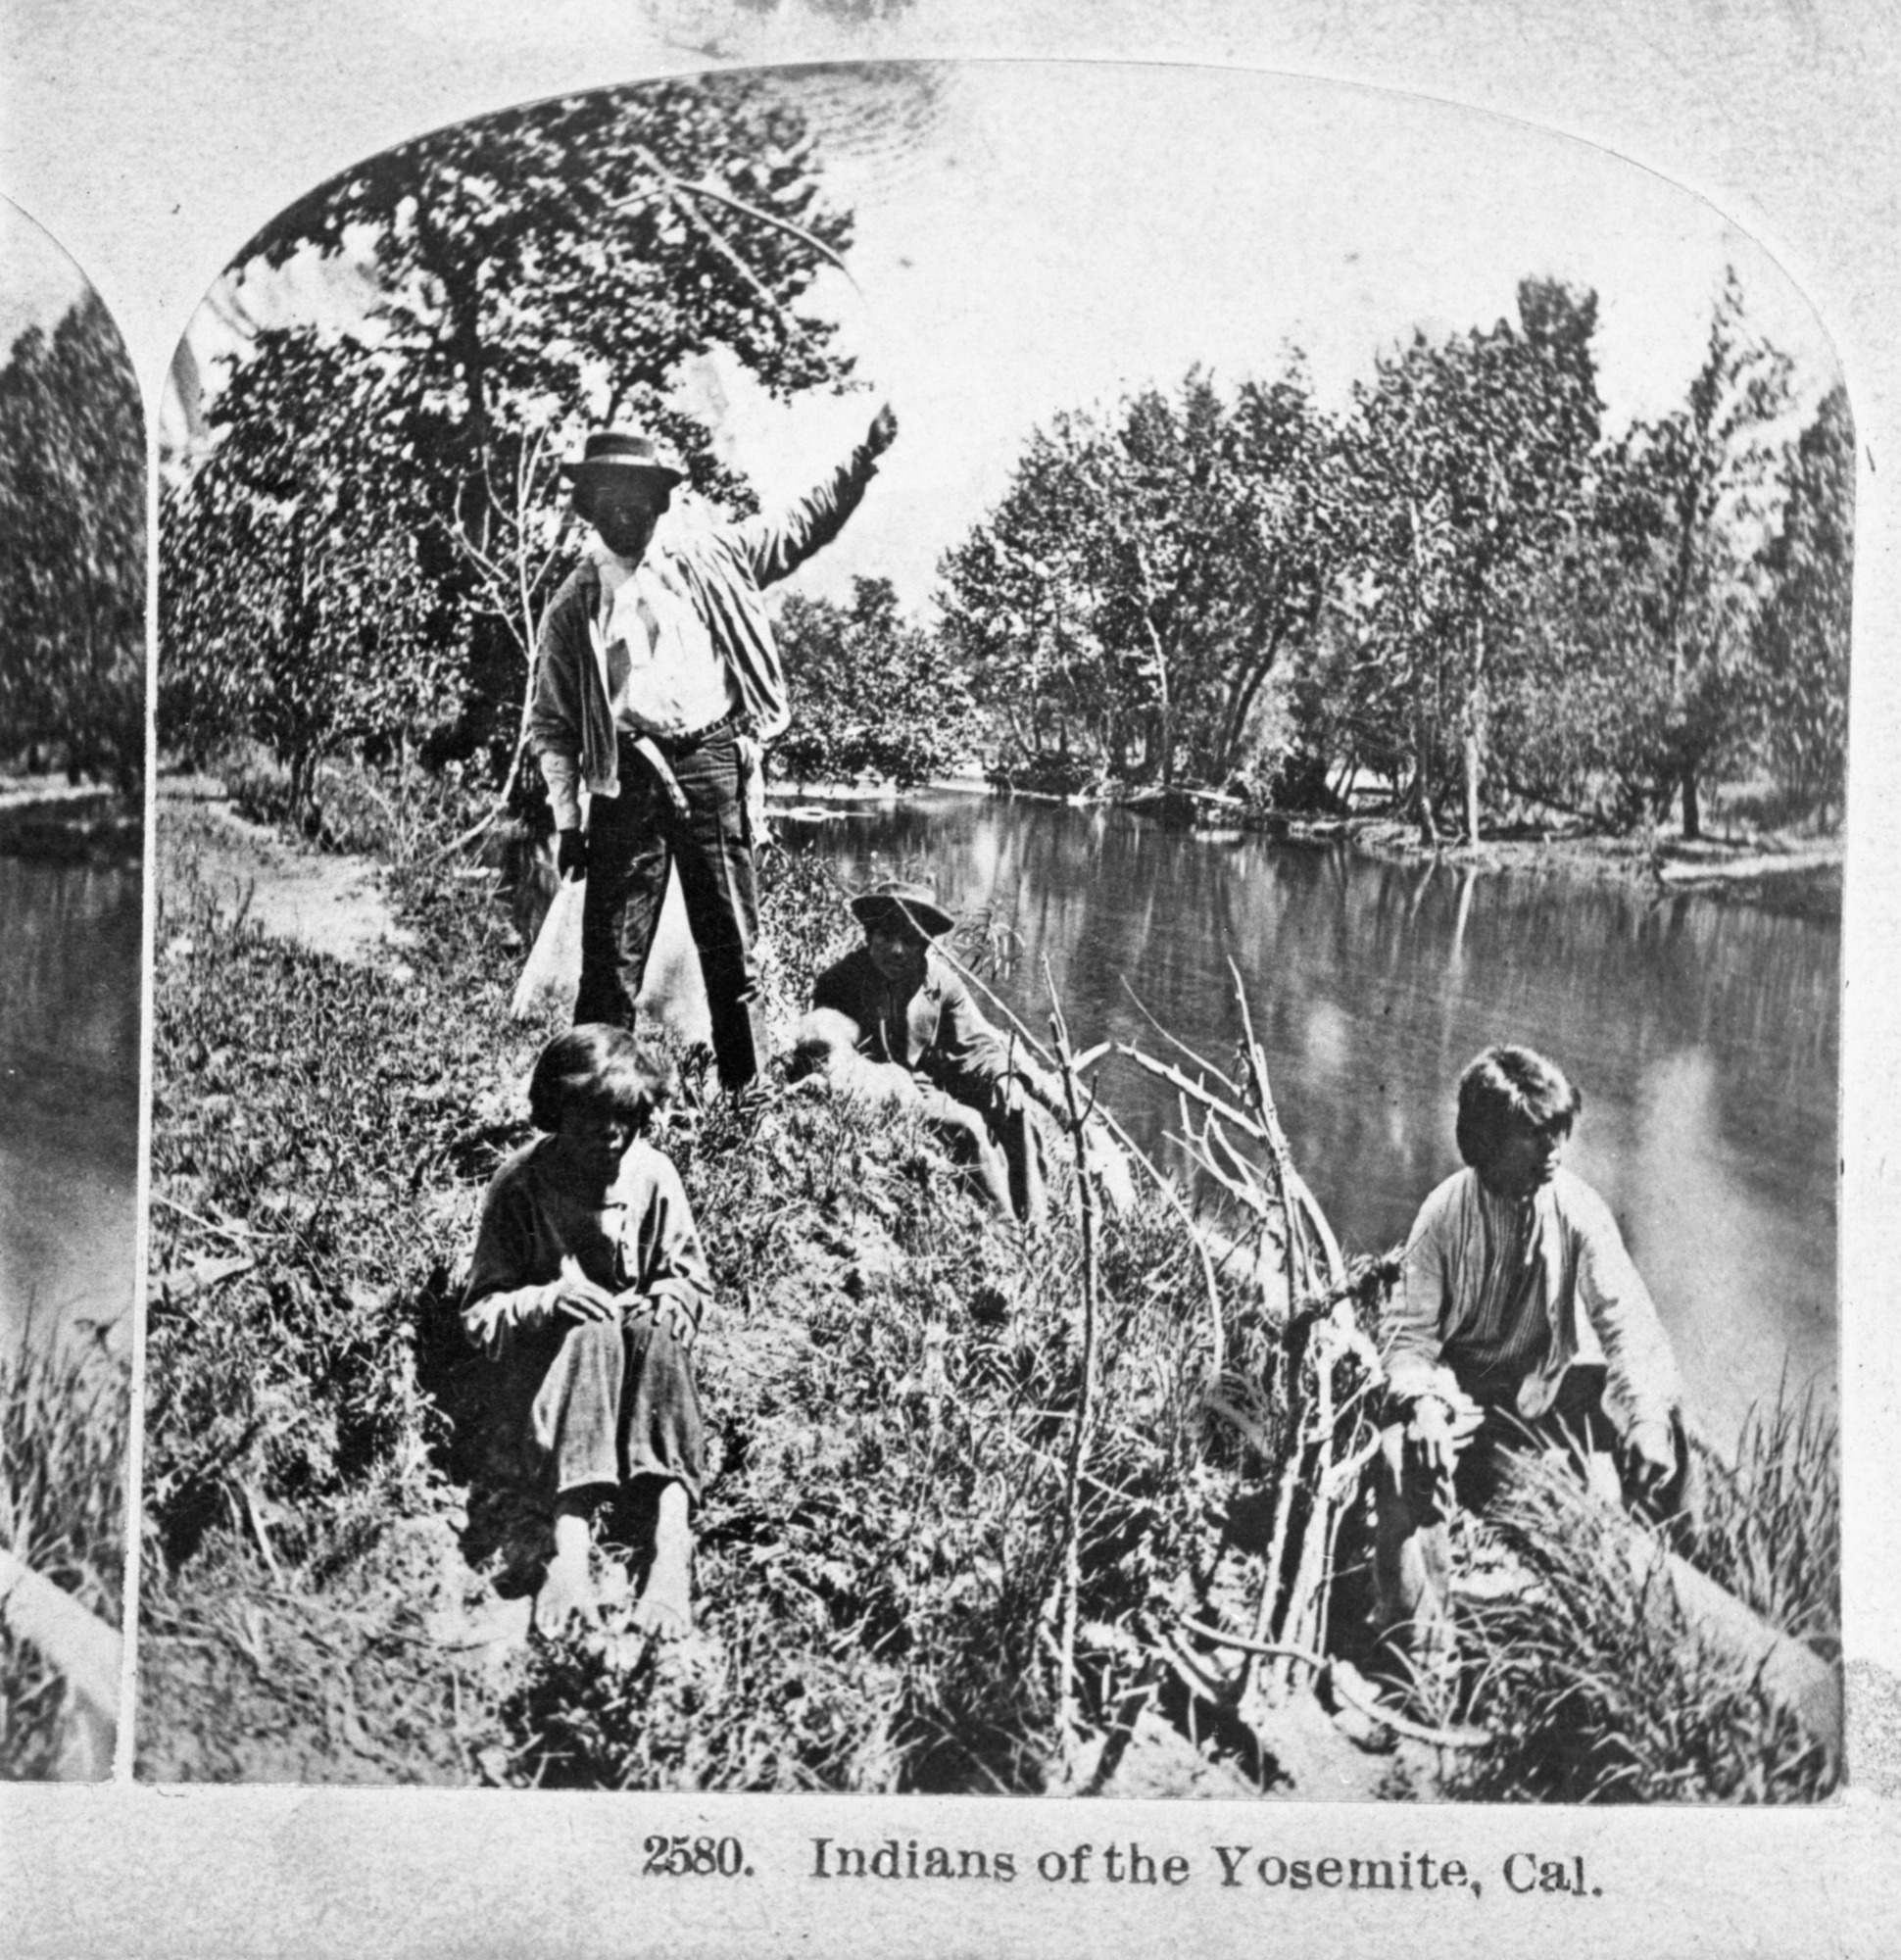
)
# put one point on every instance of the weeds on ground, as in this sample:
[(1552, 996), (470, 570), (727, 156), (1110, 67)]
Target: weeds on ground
[(1597, 1690), (63, 1435), (888, 1377)]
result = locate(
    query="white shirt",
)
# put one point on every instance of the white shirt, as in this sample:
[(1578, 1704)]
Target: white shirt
[(663, 675), (1508, 1293)]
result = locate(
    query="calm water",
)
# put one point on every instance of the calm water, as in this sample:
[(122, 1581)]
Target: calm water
[(69, 1092), (1704, 1035)]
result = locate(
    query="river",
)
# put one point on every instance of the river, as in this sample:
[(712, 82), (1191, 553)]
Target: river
[(1703, 1035), (69, 1117)]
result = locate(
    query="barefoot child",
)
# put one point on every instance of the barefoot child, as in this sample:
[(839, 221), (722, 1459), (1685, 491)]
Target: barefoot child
[(586, 1288)]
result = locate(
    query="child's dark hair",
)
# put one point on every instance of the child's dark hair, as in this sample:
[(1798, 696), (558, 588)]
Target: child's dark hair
[(596, 1067), (1506, 1084)]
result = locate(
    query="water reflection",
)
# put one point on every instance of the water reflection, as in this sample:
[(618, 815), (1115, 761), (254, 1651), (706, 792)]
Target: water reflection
[(69, 1114), (1704, 1036)]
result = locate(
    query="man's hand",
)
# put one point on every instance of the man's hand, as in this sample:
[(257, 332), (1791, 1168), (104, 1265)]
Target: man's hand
[(1431, 1429), (572, 854), (578, 1298), (1653, 1449), (883, 431)]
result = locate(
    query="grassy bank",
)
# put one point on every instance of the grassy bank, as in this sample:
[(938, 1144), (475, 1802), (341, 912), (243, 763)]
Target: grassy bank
[(907, 1578), (63, 1441)]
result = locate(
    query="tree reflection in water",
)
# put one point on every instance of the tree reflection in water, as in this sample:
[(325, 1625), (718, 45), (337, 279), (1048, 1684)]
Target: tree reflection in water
[(69, 1117)]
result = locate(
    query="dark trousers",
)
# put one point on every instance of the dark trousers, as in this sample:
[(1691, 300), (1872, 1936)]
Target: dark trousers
[(633, 840), (597, 1403)]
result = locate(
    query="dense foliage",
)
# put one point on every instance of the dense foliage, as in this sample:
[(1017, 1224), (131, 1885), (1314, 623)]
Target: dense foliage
[(1464, 586), (363, 547), (873, 695), (72, 549), (1144, 572)]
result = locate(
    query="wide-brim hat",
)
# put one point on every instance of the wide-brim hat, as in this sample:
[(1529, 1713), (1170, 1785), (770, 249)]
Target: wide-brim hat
[(607, 453), (917, 905)]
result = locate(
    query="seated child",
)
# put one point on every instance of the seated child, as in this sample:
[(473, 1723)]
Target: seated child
[(586, 1288)]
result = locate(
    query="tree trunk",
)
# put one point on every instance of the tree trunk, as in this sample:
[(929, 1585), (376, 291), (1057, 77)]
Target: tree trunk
[(1471, 719), (1692, 806), (1423, 775)]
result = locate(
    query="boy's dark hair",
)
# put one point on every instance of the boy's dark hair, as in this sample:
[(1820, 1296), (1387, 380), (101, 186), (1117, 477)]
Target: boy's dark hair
[(1511, 1084), (598, 1067)]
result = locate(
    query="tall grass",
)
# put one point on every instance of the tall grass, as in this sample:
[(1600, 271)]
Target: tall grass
[(62, 1438), (1769, 1527), (1599, 1691)]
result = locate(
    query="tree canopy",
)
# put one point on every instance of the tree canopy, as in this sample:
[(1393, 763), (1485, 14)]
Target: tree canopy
[(73, 549), (1466, 584), (534, 272), (872, 695), (1145, 572)]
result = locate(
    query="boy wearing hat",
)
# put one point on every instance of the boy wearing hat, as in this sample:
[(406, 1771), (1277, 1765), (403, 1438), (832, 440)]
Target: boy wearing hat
[(897, 1002), (657, 685)]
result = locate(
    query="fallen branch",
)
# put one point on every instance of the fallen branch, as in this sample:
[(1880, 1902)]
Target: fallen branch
[(1374, 1709), (82, 1647)]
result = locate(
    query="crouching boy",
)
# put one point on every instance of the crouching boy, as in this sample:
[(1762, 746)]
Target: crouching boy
[(1521, 1323)]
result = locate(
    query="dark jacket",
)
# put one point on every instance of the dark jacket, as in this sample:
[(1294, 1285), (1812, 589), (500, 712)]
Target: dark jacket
[(934, 1030)]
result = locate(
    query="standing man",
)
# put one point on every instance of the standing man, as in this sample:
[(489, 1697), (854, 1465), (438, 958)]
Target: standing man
[(1520, 1322), (658, 687)]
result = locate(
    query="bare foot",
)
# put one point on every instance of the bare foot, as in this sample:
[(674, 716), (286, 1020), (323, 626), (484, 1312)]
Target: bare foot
[(666, 1607), (567, 1589)]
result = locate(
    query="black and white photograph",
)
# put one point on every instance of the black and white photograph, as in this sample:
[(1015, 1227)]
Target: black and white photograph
[(73, 475), (949, 998), (997, 949)]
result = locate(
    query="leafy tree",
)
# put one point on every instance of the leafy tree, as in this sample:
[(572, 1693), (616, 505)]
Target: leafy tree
[(535, 269), (1581, 717), (1018, 602), (72, 547), (870, 694), (1694, 500), (1466, 458), (1144, 572), (293, 567), (1800, 681)]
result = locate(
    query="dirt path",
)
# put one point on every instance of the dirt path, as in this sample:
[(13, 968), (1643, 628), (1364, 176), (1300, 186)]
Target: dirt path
[(329, 901)]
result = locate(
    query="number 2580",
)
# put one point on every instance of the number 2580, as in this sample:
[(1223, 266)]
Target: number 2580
[(694, 1858)]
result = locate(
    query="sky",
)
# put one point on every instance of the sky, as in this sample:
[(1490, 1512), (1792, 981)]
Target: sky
[(1032, 237), (37, 281)]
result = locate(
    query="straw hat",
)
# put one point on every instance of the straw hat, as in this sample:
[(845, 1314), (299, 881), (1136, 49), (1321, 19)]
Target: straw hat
[(916, 905), (619, 452)]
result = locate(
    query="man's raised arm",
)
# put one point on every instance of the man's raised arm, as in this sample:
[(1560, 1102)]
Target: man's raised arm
[(775, 543)]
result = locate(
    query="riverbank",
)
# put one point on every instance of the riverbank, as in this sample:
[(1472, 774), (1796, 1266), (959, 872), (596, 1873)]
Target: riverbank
[(335, 1587), (1747, 863), (1789, 876), (63, 824)]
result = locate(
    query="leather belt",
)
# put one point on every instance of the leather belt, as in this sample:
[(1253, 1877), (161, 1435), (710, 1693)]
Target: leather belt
[(684, 745)]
